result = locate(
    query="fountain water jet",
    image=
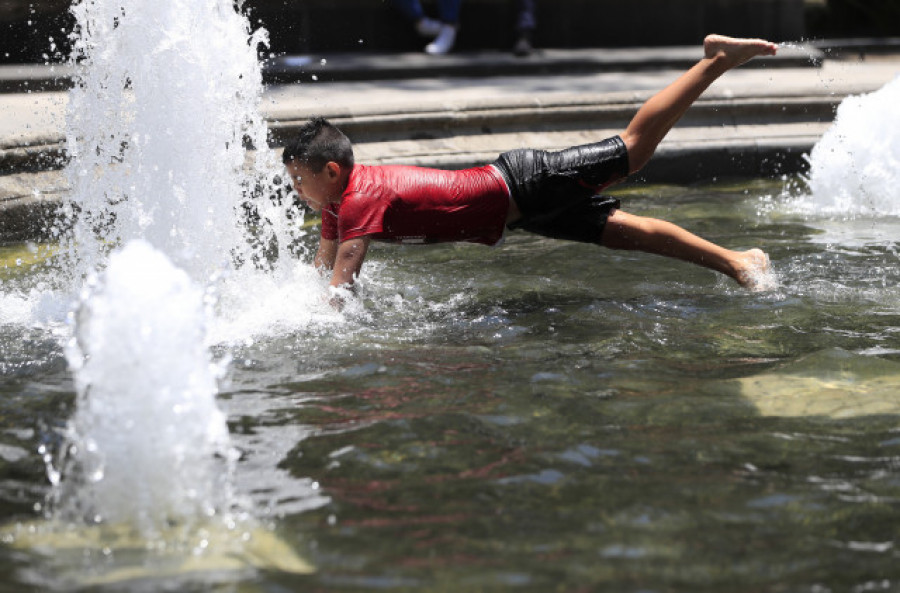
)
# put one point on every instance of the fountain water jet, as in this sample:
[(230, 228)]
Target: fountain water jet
[(165, 105), (160, 121), (147, 444), (158, 125), (855, 167), (144, 487)]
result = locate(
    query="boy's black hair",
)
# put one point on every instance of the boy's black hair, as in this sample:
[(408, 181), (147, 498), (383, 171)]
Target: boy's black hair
[(317, 143)]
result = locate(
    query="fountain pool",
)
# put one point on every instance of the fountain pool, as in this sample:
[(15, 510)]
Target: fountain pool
[(588, 419)]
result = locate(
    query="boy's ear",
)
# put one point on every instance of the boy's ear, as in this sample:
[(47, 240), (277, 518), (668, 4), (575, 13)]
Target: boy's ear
[(333, 169)]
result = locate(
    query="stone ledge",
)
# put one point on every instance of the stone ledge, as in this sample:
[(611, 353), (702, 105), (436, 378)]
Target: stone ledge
[(577, 111), (42, 156), (372, 66), (467, 119), (337, 67), (27, 203), (373, 25)]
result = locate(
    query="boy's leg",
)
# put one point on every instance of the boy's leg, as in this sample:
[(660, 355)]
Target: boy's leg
[(657, 116), (627, 231), (647, 128)]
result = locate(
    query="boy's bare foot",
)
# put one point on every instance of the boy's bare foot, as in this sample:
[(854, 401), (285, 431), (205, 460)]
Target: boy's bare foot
[(753, 271), (735, 51)]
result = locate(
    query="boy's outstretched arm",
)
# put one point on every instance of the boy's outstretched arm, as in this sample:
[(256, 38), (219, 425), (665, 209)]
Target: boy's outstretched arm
[(324, 260), (347, 263)]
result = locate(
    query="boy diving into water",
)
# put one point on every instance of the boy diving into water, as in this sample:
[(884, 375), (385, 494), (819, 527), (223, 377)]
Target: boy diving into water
[(554, 194)]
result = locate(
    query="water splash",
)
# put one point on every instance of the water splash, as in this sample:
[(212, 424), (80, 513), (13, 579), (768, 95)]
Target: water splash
[(855, 167), (761, 277), (174, 195), (168, 146), (165, 105), (147, 445)]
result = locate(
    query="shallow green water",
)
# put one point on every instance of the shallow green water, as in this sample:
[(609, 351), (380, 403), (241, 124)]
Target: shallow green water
[(556, 417)]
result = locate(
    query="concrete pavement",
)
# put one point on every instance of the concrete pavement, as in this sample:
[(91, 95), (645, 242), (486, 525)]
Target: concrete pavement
[(754, 121)]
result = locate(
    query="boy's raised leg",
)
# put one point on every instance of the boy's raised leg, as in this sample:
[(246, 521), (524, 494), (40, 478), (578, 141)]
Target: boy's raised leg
[(657, 116)]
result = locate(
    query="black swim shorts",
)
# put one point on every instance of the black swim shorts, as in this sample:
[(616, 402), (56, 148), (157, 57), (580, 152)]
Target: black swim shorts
[(557, 191)]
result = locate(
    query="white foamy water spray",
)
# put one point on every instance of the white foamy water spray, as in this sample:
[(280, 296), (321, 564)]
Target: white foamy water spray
[(165, 108), (147, 445), (165, 105), (160, 121), (855, 167)]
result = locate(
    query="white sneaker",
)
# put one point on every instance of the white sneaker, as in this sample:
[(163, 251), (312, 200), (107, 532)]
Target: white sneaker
[(427, 27), (444, 41)]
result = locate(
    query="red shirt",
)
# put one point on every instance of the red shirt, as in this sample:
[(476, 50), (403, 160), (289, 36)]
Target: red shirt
[(404, 204)]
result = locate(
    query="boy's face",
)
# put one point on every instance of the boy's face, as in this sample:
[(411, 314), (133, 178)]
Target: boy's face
[(317, 189)]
